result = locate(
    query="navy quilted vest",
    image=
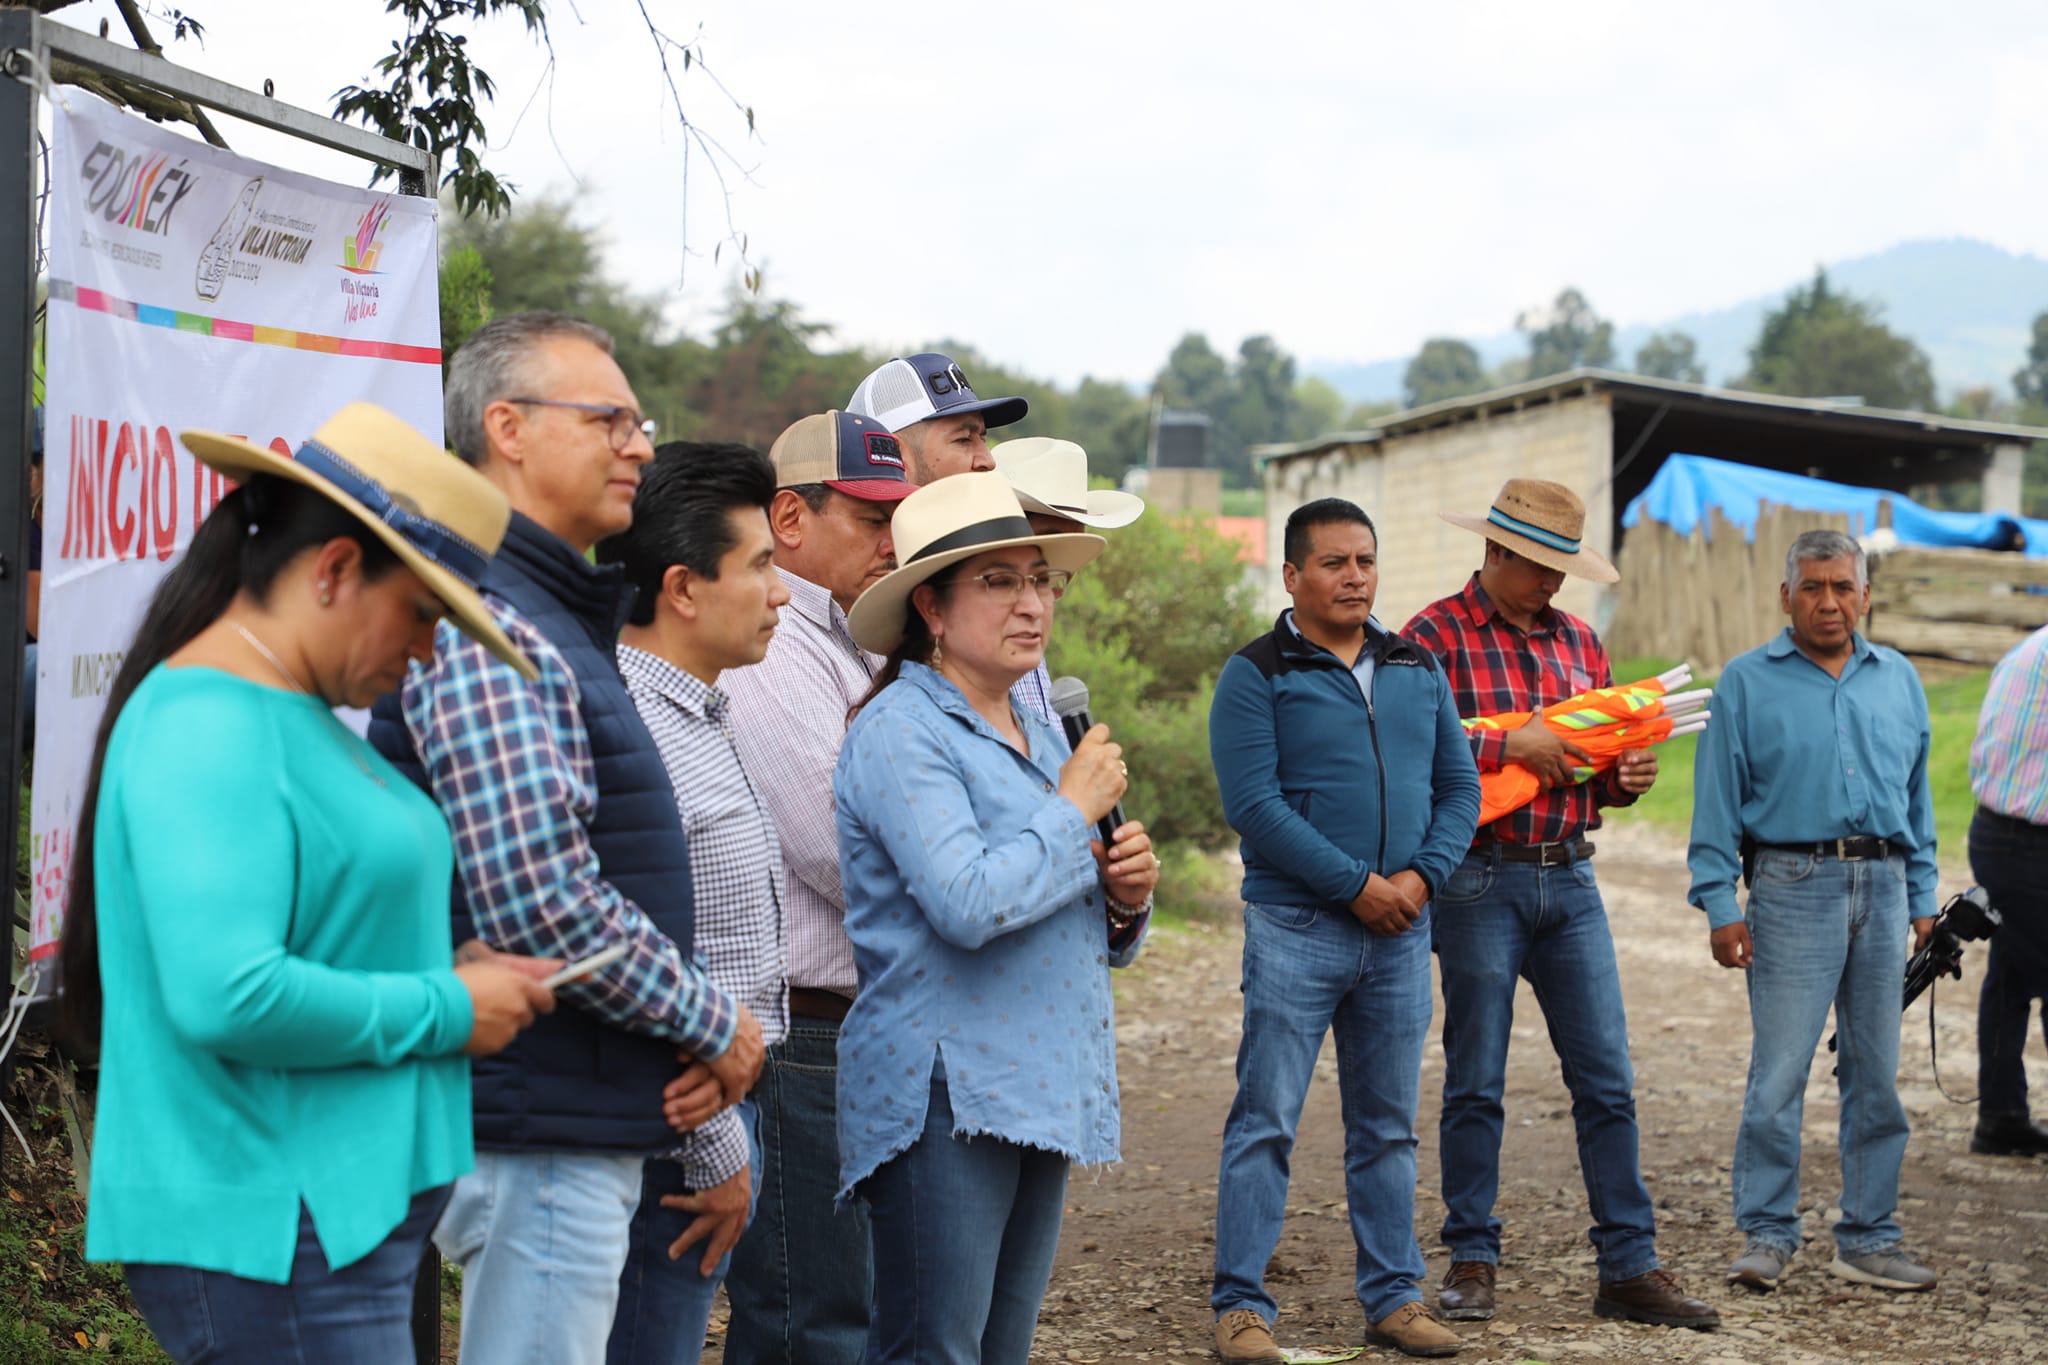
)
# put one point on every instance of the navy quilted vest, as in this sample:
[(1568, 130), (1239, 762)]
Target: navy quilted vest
[(572, 1082)]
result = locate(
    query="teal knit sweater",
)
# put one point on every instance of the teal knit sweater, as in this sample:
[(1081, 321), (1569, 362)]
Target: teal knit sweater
[(282, 1022)]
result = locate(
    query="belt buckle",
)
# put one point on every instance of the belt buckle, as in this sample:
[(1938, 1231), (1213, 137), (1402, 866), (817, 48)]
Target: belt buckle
[(1553, 855), (1842, 850)]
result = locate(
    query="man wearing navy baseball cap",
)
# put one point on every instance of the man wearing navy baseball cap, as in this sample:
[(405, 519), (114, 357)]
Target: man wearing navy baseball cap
[(800, 1279), (943, 424)]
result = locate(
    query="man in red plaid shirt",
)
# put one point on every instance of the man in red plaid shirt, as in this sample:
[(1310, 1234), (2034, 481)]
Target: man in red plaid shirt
[(1523, 903)]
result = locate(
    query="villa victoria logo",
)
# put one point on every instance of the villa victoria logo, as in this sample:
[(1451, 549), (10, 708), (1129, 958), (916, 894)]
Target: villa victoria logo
[(246, 240), (360, 252), (360, 249)]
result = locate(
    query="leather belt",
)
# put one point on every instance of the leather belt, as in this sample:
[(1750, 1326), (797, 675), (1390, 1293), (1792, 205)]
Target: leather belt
[(1543, 855), (1852, 850), (2012, 823), (808, 1002)]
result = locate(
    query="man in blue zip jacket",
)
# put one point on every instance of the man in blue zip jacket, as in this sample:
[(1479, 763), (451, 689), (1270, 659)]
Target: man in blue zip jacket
[(1346, 773)]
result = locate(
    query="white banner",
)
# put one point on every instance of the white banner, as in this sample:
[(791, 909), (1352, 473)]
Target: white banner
[(189, 287)]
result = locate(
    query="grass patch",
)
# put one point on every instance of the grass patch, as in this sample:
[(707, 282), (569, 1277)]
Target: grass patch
[(1952, 704), (1195, 884), (54, 1306)]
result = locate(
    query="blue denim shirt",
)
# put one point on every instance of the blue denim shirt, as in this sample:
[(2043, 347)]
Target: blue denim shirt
[(978, 924), (1795, 755)]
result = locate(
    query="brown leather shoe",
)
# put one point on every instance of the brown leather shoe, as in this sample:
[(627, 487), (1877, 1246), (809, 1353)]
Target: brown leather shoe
[(1410, 1330), (1654, 1297), (1243, 1338), (1466, 1294)]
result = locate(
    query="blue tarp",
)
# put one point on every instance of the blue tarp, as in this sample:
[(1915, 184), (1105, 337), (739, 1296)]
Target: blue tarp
[(1688, 485)]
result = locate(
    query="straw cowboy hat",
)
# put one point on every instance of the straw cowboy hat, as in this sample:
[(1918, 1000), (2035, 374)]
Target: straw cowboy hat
[(439, 516), (938, 526), (1051, 476), (1540, 521)]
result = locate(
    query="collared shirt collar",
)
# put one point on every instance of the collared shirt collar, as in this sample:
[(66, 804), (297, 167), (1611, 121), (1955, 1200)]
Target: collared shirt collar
[(1783, 644), (954, 702), (814, 602), (1479, 608), (684, 689), (1375, 631)]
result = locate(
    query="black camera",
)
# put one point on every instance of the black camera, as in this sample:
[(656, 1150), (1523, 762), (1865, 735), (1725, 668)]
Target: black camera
[(1966, 918)]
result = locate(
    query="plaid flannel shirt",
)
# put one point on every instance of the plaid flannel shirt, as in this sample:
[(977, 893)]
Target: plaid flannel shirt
[(1495, 667), (510, 765), (735, 867)]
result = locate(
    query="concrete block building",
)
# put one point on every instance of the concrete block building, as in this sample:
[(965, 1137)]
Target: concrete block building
[(1604, 434)]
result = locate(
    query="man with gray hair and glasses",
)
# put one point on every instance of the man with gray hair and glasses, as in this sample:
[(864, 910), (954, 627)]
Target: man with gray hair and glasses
[(567, 845), (1812, 785)]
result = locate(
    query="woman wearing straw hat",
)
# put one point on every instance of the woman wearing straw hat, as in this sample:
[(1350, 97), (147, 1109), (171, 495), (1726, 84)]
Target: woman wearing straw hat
[(978, 1059), (257, 936)]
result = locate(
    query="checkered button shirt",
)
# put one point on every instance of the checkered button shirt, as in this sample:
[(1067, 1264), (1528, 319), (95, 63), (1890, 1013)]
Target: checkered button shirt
[(1495, 668), (509, 763), (735, 867)]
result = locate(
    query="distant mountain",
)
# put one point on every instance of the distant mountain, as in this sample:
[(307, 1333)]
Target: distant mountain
[(1968, 304)]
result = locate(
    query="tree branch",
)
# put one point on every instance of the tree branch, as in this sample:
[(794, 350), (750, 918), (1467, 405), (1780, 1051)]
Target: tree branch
[(139, 30)]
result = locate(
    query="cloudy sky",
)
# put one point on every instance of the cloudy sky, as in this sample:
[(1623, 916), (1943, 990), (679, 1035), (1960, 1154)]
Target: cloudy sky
[(1072, 186)]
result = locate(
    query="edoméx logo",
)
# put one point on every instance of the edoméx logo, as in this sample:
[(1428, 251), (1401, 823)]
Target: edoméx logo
[(134, 189), (360, 249)]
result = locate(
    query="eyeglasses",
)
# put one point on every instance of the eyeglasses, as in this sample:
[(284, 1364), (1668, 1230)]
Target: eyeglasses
[(623, 421), (1007, 585)]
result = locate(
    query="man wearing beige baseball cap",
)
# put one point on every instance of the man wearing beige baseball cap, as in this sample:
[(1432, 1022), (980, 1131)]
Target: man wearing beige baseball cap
[(1523, 904)]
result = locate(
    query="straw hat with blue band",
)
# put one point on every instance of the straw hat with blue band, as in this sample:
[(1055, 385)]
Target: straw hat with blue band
[(1540, 521), (938, 526), (439, 516)]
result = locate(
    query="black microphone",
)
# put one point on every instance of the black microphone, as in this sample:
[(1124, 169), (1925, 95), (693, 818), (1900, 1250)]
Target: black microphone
[(1070, 704)]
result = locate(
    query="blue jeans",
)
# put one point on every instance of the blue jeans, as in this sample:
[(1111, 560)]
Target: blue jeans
[(1495, 922), (964, 1233), (2010, 860), (541, 1238), (1308, 972), (801, 1279), (664, 1304), (1824, 932), (360, 1312)]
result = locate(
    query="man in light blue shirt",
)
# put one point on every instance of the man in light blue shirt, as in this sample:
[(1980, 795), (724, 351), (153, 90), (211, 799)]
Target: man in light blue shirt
[(1812, 782)]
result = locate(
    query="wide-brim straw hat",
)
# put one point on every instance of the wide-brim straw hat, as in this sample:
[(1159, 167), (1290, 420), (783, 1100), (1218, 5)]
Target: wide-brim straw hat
[(938, 526), (1540, 521), (1051, 476), (439, 516)]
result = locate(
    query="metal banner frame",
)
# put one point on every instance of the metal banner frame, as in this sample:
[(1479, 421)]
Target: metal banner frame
[(27, 43)]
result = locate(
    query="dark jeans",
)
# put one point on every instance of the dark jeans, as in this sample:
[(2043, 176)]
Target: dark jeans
[(965, 1229), (2009, 859), (1495, 922), (665, 1303), (361, 1312), (801, 1279)]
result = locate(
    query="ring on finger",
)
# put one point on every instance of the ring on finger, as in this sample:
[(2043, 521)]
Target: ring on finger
[(1123, 768)]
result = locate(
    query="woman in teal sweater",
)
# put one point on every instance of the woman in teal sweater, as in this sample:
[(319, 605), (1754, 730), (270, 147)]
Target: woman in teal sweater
[(257, 934)]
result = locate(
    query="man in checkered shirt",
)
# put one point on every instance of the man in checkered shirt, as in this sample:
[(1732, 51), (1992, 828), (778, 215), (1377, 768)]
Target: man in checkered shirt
[(1524, 905), (801, 1277), (702, 563)]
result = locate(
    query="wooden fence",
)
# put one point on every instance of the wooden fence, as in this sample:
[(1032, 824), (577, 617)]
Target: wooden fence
[(1968, 605), (1708, 597)]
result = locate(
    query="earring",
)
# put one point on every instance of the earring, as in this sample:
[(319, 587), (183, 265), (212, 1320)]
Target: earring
[(938, 655), (326, 597)]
